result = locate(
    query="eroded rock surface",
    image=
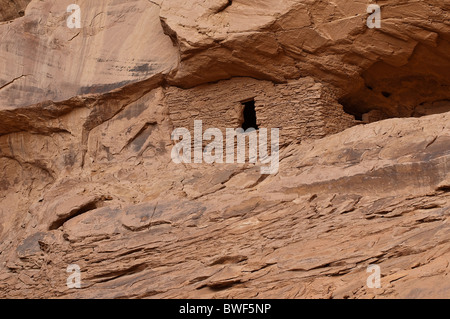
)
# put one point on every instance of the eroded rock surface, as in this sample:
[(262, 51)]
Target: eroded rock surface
[(121, 42), (12, 9), (87, 178)]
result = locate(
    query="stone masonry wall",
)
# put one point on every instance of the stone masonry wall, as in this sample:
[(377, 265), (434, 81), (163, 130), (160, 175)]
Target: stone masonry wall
[(301, 109)]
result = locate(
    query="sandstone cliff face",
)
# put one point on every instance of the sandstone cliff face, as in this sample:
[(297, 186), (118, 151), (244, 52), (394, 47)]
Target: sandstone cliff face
[(12, 9), (87, 178), (121, 42)]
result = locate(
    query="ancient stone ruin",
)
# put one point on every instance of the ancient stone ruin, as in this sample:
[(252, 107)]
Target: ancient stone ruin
[(93, 205)]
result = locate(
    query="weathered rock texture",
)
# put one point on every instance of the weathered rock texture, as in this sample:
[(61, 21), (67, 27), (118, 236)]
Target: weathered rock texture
[(121, 42), (86, 177), (12, 9)]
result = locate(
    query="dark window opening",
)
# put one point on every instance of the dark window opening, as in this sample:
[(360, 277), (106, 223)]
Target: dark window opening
[(249, 115), (386, 94), (350, 109), (358, 116)]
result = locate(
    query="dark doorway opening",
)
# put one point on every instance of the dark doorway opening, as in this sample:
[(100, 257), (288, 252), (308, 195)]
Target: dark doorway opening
[(249, 115)]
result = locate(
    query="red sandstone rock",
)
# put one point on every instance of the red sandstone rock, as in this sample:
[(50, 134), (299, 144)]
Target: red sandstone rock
[(87, 178)]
